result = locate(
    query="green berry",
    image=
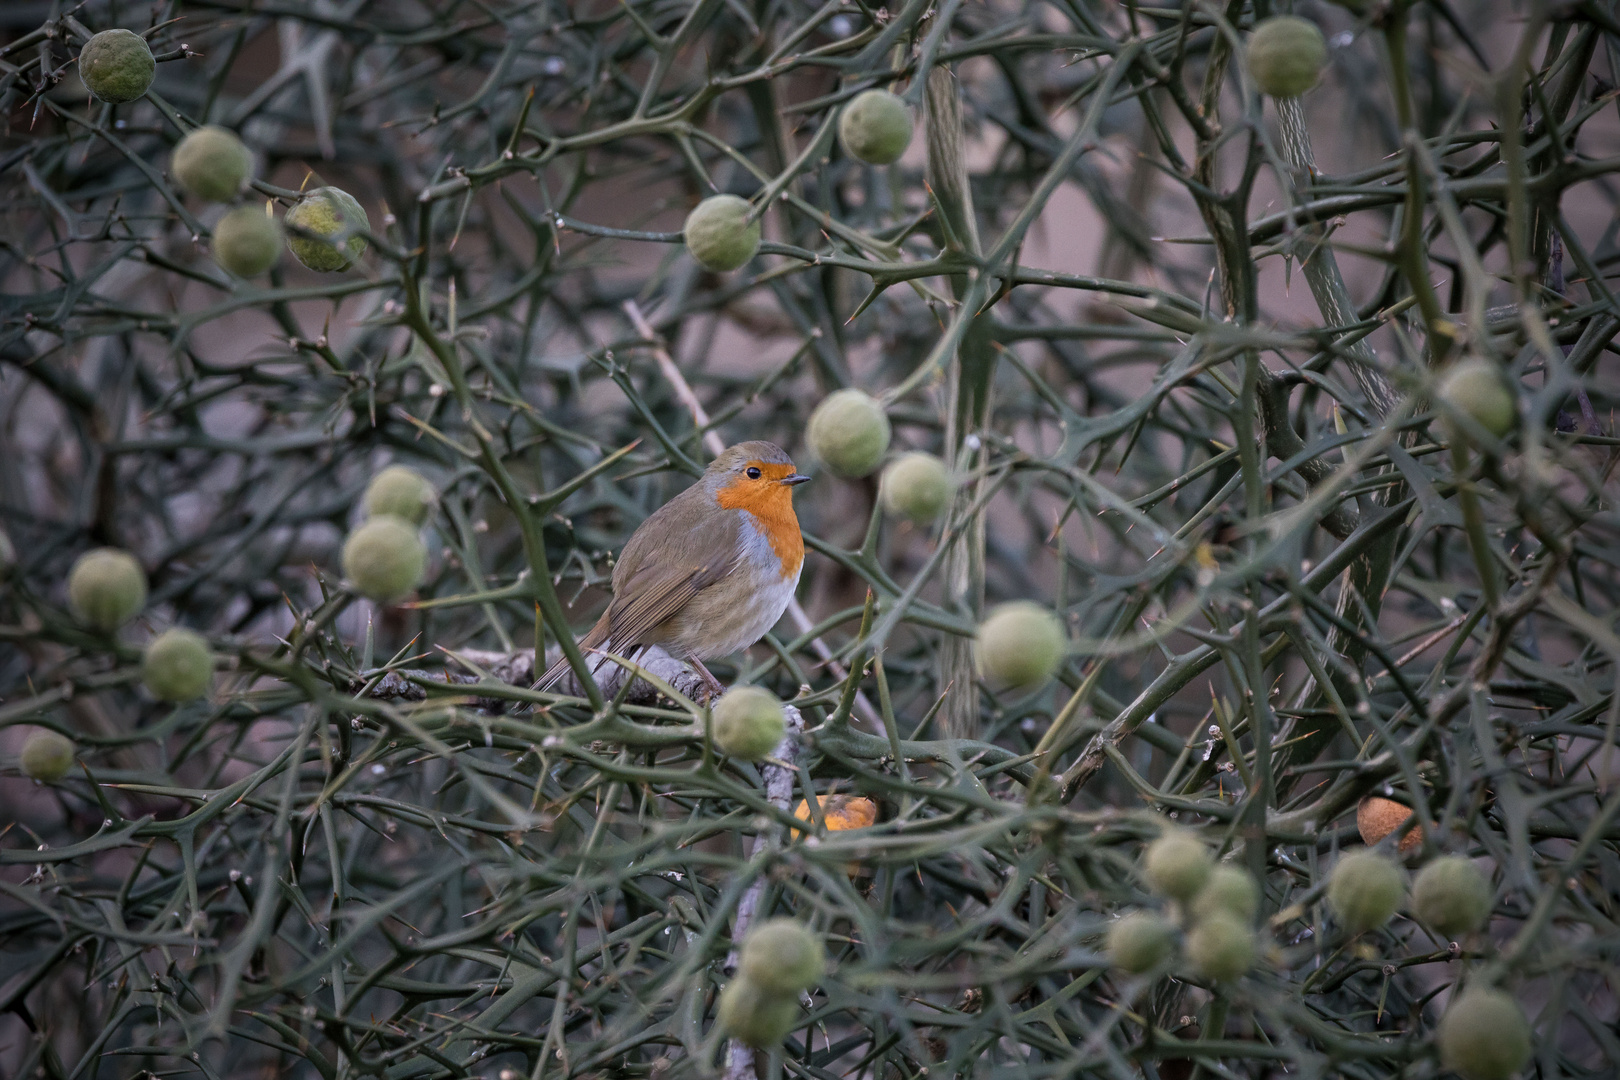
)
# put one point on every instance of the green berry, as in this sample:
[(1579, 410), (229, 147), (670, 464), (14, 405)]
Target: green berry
[(875, 127), (751, 1015), (117, 66), (917, 486), (402, 492), (384, 558), (333, 213), (178, 665), (1476, 389), (1020, 644), (1228, 890), (747, 723), (849, 432), (47, 756), (1140, 941), (212, 164), (1221, 947), (719, 234), (1484, 1035), (782, 957), (247, 241), (1365, 890), (1452, 896), (1286, 55), (1177, 865), (107, 588)]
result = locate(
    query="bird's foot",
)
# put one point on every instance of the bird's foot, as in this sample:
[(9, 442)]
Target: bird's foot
[(712, 684)]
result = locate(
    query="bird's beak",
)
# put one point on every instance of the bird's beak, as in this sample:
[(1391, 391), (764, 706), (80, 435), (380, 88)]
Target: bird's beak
[(795, 479)]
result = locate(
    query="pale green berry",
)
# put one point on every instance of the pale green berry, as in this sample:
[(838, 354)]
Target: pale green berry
[(849, 432), (1231, 890), (1452, 896), (1020, 644), (1221, 947), (1476, 388), (178, 665), (247, 241), (328, 212), (1286, 55), (402, 492), (1365, 890), (719, 234), (917, 486), (1140, 941), (1177, 865), (107, 588), (747, 723), (117, 66), (1484, 1035), (875, 127), (47, 756), (384, 558), (212, 163), (750, 1015), (782, 956)]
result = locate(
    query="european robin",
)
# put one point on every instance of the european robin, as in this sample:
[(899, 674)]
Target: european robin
[(710, 571)]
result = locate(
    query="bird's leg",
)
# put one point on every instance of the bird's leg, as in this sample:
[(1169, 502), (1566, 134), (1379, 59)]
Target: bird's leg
[(716, 688)]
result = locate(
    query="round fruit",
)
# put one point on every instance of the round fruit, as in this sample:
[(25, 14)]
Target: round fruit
[(107, 588), (1286, 55), (840, 812), (849, 432), (1228, 890), (328, 212), (1475, 388), (782, 956), (1140, 941), (117, 66), (875, 127), (178, 665), (1377, 817), (719, 234), (1484, 1035), (747, 723), (917, 486), (247, 241), (47, 756), (212, 164), (1021, 644), (1365, 889), (1451, 895), (384, 558), (1221, 947), (750, 1015), (402, 492), (1177, 865)]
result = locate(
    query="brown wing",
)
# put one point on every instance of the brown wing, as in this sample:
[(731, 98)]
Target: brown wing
[(663, 566)]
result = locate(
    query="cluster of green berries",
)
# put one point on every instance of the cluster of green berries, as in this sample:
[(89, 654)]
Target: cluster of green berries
[(1215, 906), (779, 960), (384, 557)]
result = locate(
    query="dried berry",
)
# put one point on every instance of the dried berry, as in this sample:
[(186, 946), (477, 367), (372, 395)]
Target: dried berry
[(849, 433), (719, 234), (747, 723), (117, 66), (1377, 817)]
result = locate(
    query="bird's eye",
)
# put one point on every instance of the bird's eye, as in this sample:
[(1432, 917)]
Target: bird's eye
[(753, 474)]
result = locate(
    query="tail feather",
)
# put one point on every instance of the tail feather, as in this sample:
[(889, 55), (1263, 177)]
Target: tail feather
[(593, 640)]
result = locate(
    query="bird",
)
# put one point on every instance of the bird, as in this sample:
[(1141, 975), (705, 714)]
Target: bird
[(709, 572)]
